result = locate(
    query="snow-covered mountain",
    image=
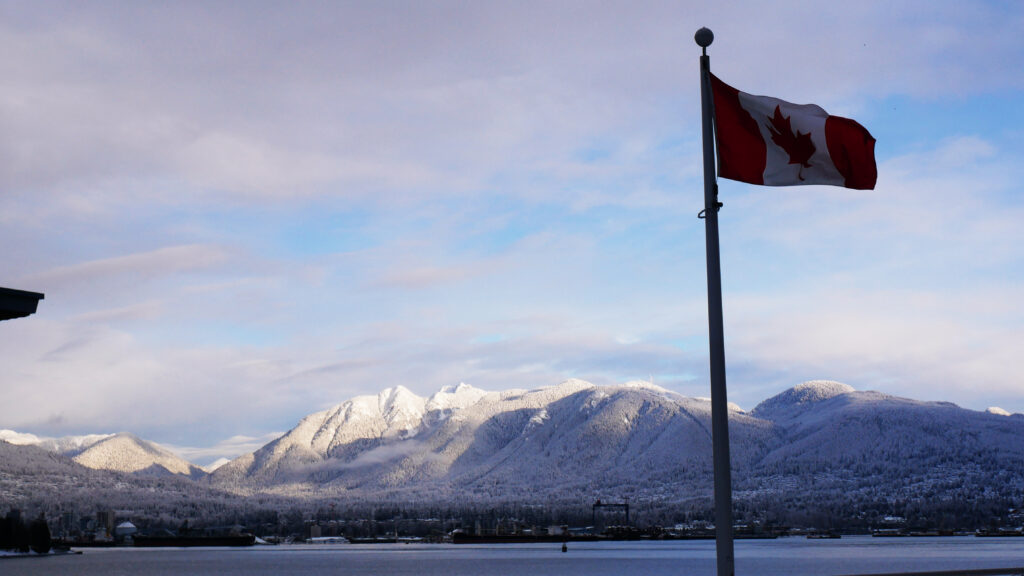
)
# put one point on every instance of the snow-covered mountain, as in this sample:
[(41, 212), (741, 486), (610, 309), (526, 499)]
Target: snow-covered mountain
[(820, 445), (122, 452), (215, 464), (634, 439)]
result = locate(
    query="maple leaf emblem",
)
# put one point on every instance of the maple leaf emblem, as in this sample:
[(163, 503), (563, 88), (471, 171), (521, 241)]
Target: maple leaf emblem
[(798, 146)]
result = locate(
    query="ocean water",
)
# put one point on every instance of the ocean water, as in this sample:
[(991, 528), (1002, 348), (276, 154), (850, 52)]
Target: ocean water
[(785, 556)]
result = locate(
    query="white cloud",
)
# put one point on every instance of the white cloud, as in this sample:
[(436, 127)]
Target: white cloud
[(230, 162), (920, 345), (516, 169), (229, 448)]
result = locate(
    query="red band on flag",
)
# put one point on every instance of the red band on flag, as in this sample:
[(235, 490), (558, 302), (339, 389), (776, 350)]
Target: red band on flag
[(852, 149), (741, 149)]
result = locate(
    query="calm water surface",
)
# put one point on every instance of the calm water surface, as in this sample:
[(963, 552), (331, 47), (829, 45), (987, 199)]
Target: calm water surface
[(785, 556)]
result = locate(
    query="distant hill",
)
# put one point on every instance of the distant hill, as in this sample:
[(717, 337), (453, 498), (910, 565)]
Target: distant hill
[(127, 453), (848, 452), (121, 452)]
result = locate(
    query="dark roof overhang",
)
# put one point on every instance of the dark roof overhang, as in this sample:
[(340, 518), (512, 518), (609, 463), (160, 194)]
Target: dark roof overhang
[(18, 303)]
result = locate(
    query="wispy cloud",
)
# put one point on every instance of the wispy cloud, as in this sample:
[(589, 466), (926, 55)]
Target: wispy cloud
[(142, 311), (383, 454), (136, 267)]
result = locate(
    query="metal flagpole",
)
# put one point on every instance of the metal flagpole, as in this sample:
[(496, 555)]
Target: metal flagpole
[(719, 404)]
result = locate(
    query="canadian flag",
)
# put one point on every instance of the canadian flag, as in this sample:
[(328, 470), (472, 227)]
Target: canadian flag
[(764, 140)]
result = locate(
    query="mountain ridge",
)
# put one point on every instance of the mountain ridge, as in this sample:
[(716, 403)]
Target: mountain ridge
[(632, 438), (820, 440)]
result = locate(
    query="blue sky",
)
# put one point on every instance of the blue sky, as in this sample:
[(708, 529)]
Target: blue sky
[(244, 213)]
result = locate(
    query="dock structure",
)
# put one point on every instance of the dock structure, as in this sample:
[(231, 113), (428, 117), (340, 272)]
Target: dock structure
[(624, 506)]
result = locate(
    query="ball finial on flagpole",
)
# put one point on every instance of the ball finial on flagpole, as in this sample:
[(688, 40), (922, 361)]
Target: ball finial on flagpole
[(704, 37)]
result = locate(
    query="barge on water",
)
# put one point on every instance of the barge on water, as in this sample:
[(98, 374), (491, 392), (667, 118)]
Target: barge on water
[(169, 541)]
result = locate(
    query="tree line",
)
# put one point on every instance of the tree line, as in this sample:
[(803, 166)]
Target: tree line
[(21, 536)]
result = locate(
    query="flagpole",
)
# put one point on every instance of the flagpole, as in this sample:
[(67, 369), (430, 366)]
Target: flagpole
[(719, 403)]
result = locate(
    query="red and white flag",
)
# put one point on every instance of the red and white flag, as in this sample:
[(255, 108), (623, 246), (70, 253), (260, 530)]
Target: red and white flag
[(764, 140)]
